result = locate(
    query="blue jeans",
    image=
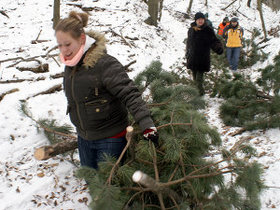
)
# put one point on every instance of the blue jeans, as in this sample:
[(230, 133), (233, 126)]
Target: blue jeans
[(92, 152), (233, 54)]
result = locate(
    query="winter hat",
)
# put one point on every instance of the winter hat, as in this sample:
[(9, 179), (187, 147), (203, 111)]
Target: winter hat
[(234, 19), (199, 15), (226, 19)]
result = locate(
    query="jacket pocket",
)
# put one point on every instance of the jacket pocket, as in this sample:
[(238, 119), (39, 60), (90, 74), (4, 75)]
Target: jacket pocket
[(96, 110)]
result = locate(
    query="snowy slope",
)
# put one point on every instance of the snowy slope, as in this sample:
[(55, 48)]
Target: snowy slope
[(26, 183)]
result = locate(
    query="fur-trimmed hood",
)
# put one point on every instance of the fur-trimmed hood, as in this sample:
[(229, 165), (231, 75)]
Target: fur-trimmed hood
[(96, 51)]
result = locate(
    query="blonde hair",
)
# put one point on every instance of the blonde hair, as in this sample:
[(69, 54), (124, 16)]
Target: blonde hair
[(74, 24)]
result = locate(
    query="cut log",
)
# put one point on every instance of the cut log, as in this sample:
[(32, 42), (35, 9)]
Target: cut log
[(46, 152), (145, 180), (149, 182)]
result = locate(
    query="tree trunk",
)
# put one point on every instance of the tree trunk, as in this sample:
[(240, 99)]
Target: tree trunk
[(190, 7), (46, 152), (153, 9), (56, 12), (160, 10), (262, 19), (149, 182), (249, 3)]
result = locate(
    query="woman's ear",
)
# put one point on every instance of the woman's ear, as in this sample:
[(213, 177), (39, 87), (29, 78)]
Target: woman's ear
[(83, 38)]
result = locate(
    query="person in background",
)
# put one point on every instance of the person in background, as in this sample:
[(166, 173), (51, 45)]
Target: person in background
[(208, 22), (233, 35), (201, 38), (99, 92), (222, 26)]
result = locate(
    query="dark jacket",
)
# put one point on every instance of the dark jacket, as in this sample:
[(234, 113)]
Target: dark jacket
[(98, 91), (199, 42)]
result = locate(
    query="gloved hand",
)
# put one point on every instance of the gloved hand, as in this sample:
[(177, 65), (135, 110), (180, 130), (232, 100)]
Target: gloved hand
[(151, 134)]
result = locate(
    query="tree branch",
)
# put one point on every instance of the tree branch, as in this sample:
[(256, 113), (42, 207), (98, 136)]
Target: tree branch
[(229, 5), (129, 133), (8, 92)]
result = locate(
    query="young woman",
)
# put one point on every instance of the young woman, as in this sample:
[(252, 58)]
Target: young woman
[(98, 92), (201, 39)]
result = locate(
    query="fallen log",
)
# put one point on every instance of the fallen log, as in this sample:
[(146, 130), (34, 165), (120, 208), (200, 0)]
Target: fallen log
[(58, 75), (21, 80), (46, 152), (53, 89), (38, 69), (8, 92)]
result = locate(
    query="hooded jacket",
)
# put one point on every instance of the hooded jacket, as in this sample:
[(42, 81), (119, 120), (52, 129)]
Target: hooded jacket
[(99, 91), (199, 42), (221, 28), (233, 35)]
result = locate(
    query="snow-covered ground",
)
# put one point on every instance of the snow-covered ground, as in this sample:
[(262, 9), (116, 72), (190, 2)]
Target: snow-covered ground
[(26, 183)]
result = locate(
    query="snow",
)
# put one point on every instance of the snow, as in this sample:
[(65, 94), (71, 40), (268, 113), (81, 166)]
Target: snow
[(26, 183)]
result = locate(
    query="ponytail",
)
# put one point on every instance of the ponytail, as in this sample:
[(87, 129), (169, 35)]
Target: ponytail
[(74, 24)]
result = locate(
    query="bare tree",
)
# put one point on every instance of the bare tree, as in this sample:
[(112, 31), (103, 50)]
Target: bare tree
[(190, 7), (160, 9), (249, 3), (56, 12), (153, 10), (262, 19)]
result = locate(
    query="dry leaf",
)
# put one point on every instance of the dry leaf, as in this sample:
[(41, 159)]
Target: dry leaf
[(41, 174)]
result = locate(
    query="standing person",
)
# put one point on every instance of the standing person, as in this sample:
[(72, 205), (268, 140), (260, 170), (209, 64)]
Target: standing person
[(98, 92), (233, 35), (222, 26), (201, 38)]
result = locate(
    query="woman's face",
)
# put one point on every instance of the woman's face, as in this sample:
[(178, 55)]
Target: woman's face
[(67, 45), (200, 22)]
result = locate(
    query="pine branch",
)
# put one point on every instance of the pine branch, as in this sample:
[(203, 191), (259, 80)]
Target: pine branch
[(160, 104), (129, 133), (131, 199), (178, 181), (172, 124), (159, 194), (173, 173)]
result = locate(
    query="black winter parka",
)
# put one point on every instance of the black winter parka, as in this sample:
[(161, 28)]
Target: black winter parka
[(99, 92), (199, 42)]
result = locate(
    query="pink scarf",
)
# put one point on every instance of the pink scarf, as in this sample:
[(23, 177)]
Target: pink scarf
[(75, 60)]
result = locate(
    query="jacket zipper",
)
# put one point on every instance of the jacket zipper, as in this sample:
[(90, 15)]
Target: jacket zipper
[(77, 106)]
